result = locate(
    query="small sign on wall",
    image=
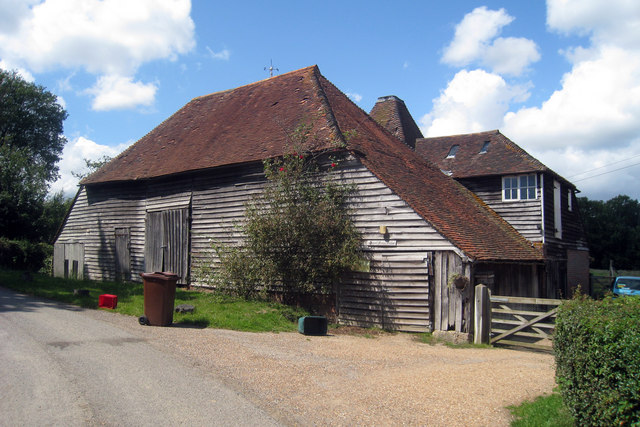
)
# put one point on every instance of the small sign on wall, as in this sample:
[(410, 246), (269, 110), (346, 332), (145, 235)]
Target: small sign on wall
[(380, 243)]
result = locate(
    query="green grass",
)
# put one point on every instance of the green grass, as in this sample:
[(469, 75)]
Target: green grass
[(211, 310), (597, 272), (428, 338), (544, 411)]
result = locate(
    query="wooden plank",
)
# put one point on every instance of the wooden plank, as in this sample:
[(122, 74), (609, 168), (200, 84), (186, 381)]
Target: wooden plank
[(519, 322), (527, 345), (523, 300), (539, 335), (437, 306), (525, 325), (511, 311)]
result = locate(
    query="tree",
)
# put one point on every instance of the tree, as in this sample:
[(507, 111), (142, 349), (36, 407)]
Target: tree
[(91, 166), (613, 231), (31, 142), (54, 210), (299, 235)]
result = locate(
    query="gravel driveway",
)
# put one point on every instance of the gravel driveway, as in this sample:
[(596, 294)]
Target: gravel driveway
[(353, 380)]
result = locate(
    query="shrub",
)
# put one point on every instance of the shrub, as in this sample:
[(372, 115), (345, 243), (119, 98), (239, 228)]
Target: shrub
[(23, 255), (597, 346), (298, 235)]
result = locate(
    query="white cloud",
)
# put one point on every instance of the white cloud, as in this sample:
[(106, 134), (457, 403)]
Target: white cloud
[(473, 101), (12, 13), (473, 33), (598, 104), (355, 97), (60, 100), (26, 75), (475, 42), (72, 160), (609, 22), (616, 171), (501, 59), (593, 119), (103, 37), (117, 92), (223, 55)]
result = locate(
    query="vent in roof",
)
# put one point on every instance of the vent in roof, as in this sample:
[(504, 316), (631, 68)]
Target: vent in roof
[(453, 151), (485, 147)]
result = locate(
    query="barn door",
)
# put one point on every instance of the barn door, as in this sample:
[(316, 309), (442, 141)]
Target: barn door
[(167, 242), (451, 304), (123, 257), (68, 260)]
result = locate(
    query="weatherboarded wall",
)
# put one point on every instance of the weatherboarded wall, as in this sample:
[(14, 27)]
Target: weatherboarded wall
[(395, 290), (523, 215)]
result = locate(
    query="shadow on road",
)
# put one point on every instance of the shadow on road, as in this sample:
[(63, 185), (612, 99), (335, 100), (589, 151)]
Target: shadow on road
[(12, 301)]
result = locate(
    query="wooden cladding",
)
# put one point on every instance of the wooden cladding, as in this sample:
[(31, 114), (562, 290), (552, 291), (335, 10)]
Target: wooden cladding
[(172, 224)]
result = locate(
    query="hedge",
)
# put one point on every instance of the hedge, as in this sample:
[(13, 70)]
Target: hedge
[(597, 353), (23, 255)]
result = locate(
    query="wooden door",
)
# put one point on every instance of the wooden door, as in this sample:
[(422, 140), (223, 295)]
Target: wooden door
[(123, 256), (167, 242)]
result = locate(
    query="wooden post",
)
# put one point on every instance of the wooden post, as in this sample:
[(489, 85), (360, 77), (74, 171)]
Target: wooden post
[(482, 315)]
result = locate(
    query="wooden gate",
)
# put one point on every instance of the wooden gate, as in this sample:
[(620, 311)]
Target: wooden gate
[(526, 322)]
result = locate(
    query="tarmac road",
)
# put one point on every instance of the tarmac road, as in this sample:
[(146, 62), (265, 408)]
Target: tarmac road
[(59, 366)]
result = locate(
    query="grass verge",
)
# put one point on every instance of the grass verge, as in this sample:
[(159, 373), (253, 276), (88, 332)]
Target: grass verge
[(211, 310), (544, 411)]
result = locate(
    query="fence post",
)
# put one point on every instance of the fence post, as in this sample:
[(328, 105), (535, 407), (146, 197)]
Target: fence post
[(482, 315)]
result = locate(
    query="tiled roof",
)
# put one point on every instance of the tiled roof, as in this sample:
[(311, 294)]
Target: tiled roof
[(501, 156), (250, 123), (392, 114)]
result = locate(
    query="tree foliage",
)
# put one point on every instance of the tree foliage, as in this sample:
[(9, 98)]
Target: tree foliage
[(299, 236), (613, 231), (91, 166), (31, 142)]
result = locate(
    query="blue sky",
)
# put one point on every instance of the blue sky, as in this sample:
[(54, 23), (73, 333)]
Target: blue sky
[(561, 78)]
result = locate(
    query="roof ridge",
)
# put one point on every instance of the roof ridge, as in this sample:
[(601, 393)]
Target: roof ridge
[(486, 132), (288, 73), (330, 117)]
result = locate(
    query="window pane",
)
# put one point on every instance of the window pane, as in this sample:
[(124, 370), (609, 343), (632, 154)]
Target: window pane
[(532, 193)]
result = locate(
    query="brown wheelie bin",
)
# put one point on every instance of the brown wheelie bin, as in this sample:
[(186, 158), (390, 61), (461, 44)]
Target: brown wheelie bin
[(159, 297)]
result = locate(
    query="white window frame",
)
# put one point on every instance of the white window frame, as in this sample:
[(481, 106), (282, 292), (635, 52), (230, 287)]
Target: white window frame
[(514, 190)]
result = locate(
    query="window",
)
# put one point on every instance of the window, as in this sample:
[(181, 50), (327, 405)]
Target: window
[(570, 200), (521, 187), (485, 147), (453, 151)]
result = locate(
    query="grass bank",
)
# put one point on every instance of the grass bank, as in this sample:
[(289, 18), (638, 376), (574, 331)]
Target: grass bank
[(211, 310)]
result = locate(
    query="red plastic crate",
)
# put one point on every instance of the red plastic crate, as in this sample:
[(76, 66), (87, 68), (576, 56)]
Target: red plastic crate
[(108, 301)]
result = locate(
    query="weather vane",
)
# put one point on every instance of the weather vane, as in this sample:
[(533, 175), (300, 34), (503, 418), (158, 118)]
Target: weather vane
[(270, 68)]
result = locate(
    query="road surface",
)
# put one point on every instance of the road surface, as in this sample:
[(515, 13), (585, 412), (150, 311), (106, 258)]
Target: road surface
[(59, 366)]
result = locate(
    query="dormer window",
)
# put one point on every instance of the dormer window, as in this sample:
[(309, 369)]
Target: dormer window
[(485, 147), (453, 151)]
